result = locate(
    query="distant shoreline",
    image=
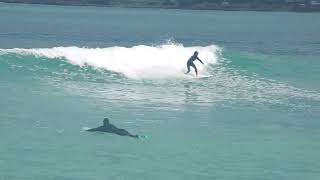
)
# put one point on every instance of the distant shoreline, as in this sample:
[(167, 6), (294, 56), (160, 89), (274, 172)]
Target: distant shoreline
[(266, 9)]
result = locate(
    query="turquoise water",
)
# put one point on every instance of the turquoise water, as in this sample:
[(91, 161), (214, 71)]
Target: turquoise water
[(63, 69)]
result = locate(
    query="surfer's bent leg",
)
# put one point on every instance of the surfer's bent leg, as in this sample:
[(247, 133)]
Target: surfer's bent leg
[(134, 136), (195, 68), (123, 132), (188, 66)]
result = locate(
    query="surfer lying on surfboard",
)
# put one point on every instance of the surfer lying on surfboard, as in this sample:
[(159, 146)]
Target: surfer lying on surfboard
[(190, 62), (110, 128)]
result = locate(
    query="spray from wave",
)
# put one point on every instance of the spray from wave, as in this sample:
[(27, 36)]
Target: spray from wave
[(137, 62)]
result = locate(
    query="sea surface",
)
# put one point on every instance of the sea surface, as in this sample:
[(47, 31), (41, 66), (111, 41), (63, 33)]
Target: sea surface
[(252, 114)]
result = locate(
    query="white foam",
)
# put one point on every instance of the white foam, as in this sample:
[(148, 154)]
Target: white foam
[(138, 62)]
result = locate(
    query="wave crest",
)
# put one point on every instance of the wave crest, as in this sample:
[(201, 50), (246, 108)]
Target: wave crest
[(137, 62)]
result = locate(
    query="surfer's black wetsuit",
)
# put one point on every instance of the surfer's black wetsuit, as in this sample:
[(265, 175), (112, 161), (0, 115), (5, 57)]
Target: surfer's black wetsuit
[(190, 62), (110, 128)]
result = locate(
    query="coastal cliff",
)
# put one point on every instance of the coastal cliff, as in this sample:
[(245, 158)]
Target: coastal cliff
[(231, 5)]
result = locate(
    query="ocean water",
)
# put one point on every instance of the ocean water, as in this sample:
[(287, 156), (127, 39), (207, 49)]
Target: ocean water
[(255, 115)]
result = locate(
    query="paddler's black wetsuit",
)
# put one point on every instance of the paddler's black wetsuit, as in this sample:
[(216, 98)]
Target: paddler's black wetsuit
[(110, 128), (190, 62)]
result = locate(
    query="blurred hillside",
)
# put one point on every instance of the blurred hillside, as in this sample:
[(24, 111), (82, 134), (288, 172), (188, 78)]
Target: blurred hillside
[(258, 5)]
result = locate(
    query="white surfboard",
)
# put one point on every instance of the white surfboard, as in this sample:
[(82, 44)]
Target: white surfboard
[(203, 76), (199, 76), (85, 128)]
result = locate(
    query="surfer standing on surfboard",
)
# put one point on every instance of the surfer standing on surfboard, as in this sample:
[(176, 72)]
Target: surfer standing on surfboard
[(190, 62)]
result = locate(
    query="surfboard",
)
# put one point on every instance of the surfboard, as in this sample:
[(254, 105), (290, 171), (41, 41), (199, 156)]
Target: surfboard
[(203, 76), (199, 76), (85, 128)]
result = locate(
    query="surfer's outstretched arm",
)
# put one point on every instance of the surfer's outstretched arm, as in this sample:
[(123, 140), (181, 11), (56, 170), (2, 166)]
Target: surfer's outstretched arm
[(200, 60)]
